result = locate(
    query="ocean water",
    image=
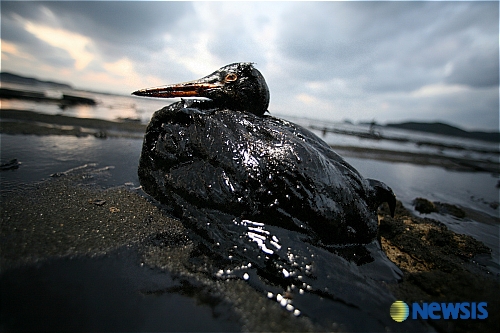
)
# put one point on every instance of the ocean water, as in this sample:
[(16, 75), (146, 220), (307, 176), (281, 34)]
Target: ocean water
[(108, 107)]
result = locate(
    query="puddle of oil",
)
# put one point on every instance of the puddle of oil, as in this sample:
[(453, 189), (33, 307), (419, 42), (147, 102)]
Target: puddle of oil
[(111, 293)]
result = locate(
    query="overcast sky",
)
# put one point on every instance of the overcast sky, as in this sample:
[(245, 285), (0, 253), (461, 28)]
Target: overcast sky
[(387, 61)]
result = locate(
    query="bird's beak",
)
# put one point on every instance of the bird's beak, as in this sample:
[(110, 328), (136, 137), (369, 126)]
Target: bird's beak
[(197, 88)]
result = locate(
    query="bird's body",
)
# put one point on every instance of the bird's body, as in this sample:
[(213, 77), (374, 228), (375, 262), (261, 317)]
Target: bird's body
[(219, 156)]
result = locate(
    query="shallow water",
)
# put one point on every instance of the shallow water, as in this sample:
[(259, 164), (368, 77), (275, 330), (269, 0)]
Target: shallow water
[(469, 189), (43, 156), (403, 140), (474, 190)]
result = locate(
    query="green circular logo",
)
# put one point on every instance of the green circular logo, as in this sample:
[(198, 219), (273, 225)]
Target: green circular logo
[(399, 311)]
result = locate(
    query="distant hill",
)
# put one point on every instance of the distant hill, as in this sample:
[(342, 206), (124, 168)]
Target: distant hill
[(18, 79), (445, 129)]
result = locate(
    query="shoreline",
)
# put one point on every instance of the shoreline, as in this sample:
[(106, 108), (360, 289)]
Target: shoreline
[(446, 162), (35, 123), (26, 122)]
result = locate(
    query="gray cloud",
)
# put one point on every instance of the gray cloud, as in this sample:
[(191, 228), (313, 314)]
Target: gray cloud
[(124, 22), (355, 60), (113, 26), (386, 42), (27, 9), (12, 31), (476, 70)]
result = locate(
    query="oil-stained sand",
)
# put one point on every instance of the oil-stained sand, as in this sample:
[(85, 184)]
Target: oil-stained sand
[(70, 218)]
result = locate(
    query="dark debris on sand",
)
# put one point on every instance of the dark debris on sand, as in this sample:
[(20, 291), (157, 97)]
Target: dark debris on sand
[(438, 267), (425, 206)]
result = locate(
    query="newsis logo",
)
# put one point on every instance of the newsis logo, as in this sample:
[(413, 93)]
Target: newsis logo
[(400, 311)]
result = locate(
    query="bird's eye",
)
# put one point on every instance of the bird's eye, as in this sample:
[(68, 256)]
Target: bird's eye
[(230, 77)]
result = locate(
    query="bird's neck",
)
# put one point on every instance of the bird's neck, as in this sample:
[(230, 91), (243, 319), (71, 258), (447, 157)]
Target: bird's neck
[(202, 104), (209, 104)]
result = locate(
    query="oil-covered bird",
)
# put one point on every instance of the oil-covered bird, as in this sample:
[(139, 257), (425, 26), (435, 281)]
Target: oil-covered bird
[(223, 155)]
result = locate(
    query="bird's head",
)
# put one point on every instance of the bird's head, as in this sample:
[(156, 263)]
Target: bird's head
[(237, 86)]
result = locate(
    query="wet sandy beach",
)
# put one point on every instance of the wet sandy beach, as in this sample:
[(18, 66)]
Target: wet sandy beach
[(70, 233)]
